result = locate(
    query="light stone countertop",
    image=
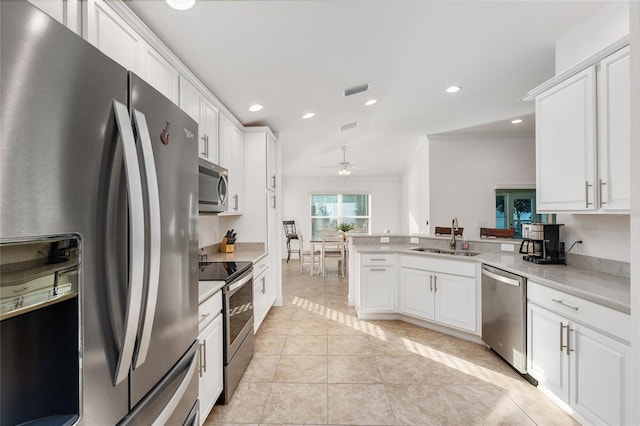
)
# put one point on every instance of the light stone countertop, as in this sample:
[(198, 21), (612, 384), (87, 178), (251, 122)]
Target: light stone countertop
[(607, 290)]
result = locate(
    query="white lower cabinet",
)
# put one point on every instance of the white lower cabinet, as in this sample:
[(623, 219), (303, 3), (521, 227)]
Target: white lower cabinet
[(377, 284), (261, 293), (576, 351), (440, 291), (211, 354)]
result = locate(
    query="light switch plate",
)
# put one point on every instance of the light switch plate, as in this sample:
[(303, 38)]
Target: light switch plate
[(384, 239), (506, 247), (415, 240)]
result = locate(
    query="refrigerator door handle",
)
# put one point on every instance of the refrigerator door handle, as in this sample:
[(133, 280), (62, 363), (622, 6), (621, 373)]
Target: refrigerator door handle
[(140, 122), (136, 243), (168, 410)]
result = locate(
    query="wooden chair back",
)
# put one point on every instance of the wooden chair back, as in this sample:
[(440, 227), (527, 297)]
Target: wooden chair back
[(443, 230), (497, 233)]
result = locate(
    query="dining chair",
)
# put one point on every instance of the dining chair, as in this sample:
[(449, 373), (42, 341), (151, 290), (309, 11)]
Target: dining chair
[(310, 257), (291, 233), (333, 246)]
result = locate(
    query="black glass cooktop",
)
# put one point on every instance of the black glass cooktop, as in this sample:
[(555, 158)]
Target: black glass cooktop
[(222, 271)]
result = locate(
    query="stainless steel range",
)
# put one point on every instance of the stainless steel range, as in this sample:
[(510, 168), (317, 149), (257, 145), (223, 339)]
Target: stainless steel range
[(237, 310)]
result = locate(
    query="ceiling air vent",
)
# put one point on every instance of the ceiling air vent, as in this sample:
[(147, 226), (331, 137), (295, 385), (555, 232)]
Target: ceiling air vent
[(357, 89), (349, 126)]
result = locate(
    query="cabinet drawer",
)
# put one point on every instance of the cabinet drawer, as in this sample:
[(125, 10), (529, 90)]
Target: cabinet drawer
[(597, 316), (378, 259), (447, 266), (209, 309)]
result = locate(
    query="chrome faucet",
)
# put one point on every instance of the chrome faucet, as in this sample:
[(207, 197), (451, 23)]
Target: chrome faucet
[(454, 228)]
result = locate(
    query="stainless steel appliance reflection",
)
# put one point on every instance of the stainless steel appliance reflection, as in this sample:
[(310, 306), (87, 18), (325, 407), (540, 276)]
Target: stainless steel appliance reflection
[(92, 150)]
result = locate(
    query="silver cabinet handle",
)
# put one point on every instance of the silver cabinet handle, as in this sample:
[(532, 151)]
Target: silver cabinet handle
[(175, 400), (274, 201), (204, 317), (562, 302), (569, 330), (379, 259), (435, 283), (378, 269), (586, 194), (136, 243), (273, 179), (155, 240), (201, 357), (235, 198), (430, 282), (601, 184), (562, 327), (21, 290)]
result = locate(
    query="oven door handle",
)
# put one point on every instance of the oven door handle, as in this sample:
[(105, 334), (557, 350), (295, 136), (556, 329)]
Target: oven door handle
[(242, 281)]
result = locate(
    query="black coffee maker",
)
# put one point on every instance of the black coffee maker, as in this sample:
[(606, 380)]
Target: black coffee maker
[(543, 243)]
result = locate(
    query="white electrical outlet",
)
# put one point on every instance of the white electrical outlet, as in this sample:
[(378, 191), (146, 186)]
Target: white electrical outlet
[(384, 239), (507, 247), (414, 240)]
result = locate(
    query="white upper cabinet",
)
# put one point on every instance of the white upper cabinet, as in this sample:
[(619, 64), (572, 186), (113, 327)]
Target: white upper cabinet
[(614, 132), (67, 12), (194, 103), (113, 36), (271, 163), (583, 140), (565, 144), (232, 158), (159, 73)]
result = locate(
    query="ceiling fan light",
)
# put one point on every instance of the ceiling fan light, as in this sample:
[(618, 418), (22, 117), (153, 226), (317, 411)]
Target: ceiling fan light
[(181, 4)]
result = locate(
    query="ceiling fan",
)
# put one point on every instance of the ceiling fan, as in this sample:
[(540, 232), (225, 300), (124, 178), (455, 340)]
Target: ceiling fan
[(344, 167)]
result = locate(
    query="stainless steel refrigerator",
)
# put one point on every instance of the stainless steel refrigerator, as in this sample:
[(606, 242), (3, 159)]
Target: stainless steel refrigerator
[(89, 149)]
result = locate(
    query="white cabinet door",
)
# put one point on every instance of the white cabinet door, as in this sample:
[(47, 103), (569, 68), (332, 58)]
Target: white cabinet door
[(271, 163), (546, 357), (614, 134), (209, 130), (455, 301), (225, 132), (378, 289), (160, 74), (416, 293), (113, 36), (600, 370), (272, 221), (236, 172), (67, 12), (211, 365), (566, 145), (260, 298), (190, 99)]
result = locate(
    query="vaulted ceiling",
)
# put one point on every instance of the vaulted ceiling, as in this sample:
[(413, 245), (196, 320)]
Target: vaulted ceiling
[(295, 57)]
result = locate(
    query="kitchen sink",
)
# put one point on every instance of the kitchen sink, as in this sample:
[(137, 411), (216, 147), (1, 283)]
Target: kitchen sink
[(449, 252)]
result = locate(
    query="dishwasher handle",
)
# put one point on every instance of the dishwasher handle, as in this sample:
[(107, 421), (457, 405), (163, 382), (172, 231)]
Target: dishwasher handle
[(502, 279)]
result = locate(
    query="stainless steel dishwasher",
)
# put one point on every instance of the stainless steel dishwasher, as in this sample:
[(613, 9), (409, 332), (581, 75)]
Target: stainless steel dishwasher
[(504, 315)]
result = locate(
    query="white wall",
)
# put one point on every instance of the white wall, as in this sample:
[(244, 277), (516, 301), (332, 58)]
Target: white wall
[(602, 235), (385, 200), (464, 171), (606, 26), (415, 192)]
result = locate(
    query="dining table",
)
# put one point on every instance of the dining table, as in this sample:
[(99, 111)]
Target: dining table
[(316, 247)]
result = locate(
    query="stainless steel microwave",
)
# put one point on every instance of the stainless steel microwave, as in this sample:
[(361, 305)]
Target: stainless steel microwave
[(213, 187)]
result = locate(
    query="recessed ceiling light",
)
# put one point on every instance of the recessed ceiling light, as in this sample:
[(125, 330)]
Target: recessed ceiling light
[(308, 115), (255, 107), (371, 102), (181, 4), (516, 121), (453, 89)]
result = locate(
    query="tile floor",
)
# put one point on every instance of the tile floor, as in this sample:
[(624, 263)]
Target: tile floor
[(316, 363)]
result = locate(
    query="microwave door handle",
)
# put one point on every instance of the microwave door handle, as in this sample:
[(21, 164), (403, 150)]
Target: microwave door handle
[(222, 192), (136, 243), (140, 122)]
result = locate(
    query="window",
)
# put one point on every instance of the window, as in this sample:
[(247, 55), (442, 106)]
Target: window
[(328, 211), (517, 206)]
